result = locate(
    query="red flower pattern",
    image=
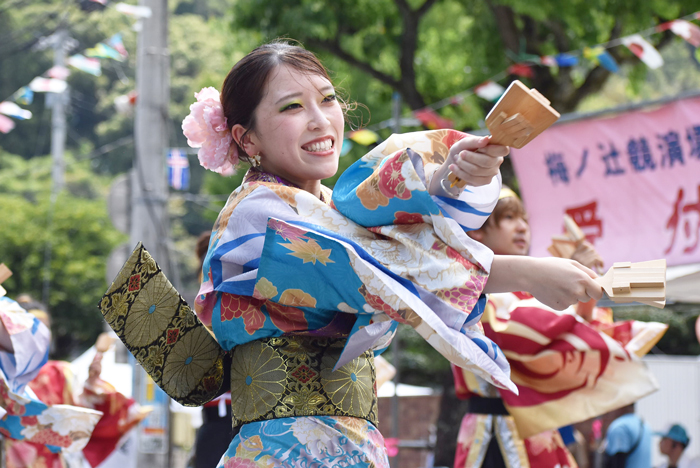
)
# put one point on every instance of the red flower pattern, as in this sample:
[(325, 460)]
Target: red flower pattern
[(28, 420), (235, 306), (377, 303), (454, 255), (49, 437), (135, 283), (403, 217), (452, 137), (239, 463), (303, 373), (286, 231), (465, 298), (391, 182)]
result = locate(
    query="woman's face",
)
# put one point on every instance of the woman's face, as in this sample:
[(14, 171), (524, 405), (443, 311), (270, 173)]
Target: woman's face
[(298, 128)]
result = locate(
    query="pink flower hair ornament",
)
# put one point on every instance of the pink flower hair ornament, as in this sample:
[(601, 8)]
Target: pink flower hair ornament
[(205, 128)]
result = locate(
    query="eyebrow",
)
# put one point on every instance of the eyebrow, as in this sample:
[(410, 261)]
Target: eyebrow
[(293, 95)]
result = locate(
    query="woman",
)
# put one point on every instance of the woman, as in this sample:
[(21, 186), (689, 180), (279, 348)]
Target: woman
[(305, 288)]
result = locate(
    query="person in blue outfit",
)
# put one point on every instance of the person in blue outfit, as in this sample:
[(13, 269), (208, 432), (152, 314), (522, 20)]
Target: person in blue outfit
[(628, 440), (673, 443)]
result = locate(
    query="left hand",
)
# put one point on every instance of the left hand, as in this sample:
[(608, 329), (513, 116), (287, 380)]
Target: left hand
[(476, 161)]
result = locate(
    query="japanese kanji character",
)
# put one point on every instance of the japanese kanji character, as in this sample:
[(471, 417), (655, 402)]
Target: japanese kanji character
[(688, 209), (586, 218), (612, 161), (675, 218), (640, 155), (557, 168), (671, 149), (584, 161), (694, 140)]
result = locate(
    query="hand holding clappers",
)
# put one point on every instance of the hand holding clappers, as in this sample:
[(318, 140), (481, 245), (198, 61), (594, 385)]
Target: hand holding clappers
[(565, 245), (643, 282), (517, 118)]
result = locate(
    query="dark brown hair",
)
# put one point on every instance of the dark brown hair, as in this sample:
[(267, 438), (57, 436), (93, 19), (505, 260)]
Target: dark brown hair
[(244, 85)]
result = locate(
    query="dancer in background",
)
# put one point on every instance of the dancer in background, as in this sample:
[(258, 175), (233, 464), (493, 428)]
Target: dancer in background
[(566, 368)]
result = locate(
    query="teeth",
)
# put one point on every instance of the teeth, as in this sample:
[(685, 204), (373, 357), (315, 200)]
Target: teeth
[(319, 146)]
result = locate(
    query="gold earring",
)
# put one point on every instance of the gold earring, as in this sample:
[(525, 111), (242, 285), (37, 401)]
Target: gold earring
[(255, 160)]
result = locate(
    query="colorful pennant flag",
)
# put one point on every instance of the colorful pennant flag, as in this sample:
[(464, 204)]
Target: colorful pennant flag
[(24, 96), (116, 43), (178, 169), (6, 124), (430, 119), (83, 63), (47, 85), (548, 61), (134, 10), (685, 29), (566, 60), (13, 110), (104, 51), (645, 51), (602, 57), (489, 90), (58, 72), (521, 69), (364, 137), (345, 149)]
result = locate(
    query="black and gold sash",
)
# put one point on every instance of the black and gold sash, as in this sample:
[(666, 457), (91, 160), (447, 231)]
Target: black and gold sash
[(270, 378)]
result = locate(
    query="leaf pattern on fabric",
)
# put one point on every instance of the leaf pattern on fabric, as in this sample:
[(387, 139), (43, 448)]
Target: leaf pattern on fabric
[(308, 251), (286, 318)]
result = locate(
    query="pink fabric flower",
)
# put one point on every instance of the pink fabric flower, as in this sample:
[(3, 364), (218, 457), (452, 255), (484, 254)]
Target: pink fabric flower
[(205, 128)]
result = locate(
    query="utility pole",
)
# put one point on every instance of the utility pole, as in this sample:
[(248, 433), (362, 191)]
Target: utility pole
[(58, 102), (149, 222), (58, 114)]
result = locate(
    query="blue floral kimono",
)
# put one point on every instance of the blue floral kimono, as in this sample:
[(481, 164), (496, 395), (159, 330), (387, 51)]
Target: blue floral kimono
[(301, 293)]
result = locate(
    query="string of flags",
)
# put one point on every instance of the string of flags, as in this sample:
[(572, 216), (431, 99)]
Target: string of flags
[(54, 79), (490, 90)]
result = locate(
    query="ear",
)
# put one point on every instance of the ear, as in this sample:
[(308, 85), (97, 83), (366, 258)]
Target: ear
[(245, 141)]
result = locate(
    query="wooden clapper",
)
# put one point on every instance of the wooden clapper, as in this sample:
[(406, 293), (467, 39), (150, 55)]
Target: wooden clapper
[(643, 282), (565, 245), (517, 118)]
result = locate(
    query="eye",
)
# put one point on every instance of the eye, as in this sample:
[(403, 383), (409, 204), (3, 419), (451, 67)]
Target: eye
[(330, 98), (293, 105)]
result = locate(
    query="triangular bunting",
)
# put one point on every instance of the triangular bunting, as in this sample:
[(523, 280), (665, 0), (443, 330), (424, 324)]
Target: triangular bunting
[(489, 90), (685, 29), (645, 51)]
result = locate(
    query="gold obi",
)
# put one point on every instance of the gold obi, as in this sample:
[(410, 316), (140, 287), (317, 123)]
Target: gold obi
[(293, 376)]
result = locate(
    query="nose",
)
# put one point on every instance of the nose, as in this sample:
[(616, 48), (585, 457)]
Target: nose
[(318, 120), (523, 226)]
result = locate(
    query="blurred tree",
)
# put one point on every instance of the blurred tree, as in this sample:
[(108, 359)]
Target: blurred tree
[(422, 48), (81, 238)]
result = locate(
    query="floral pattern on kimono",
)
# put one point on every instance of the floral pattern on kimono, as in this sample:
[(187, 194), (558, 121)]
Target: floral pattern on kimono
[(49, 427)]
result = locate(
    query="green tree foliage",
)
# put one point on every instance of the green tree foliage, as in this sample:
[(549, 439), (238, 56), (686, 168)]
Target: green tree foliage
[(80, 236), (422, 48)]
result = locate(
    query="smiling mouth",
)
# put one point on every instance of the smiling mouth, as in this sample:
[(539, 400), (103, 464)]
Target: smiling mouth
[(319, 146)]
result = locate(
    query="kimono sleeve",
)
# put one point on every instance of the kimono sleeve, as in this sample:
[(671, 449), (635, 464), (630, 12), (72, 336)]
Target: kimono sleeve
[(163, 333), (389, 184)]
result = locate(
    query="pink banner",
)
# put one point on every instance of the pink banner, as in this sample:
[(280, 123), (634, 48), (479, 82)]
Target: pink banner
[(631, 181)]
